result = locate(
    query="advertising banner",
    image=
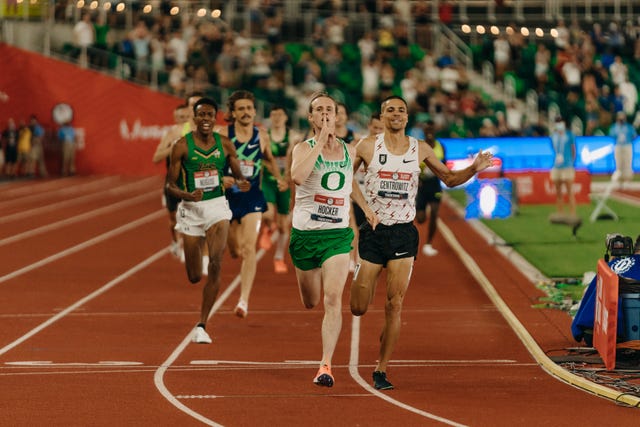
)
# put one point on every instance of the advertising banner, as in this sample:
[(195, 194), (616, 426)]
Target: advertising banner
[(118, 123), (537, 188), (605, 325), (522, 154)]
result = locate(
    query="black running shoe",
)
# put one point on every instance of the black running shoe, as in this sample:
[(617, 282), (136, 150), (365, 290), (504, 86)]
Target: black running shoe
[(380, 381)]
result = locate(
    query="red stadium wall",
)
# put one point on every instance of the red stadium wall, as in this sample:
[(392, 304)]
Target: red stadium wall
[(122, 122)]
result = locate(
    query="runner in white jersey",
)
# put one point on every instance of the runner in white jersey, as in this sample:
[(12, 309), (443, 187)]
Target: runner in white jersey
[(391, 183), (322, 170), (392, 161)]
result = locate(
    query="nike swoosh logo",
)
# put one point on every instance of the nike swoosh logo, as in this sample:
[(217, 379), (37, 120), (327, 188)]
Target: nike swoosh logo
[(407, 161), (587, 156), (401, 253), (252, 146)]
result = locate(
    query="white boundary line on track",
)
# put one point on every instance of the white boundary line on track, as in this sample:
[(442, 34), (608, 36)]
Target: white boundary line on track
[(59, 191), (71, 220), (81, 199), (158, 377), (83, 245), (355, 374), (30, 188), (16, 196), (525, 337), (153, 258)]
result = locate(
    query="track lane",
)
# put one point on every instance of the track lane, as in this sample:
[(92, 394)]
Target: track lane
[(147, 315)]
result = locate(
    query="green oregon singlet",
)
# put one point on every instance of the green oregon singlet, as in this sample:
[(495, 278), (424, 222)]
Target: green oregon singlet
[(279, 150), (204, 169)]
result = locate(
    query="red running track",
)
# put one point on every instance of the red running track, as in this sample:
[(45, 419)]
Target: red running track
[(96, 316)]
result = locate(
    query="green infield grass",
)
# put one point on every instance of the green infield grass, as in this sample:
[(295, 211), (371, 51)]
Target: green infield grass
[(551, 248)]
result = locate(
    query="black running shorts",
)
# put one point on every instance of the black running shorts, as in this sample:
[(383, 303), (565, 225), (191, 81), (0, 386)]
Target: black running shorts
[(388, 242)]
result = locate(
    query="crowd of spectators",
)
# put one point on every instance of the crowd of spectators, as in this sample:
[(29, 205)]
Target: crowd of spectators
[(21, 149), (589, 72), (586, 72)]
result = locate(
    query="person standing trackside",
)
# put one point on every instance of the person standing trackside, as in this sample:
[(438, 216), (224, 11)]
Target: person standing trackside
[(37, 149), (321, 237), (624, 134), (203, 214), (254, 150), (181, 115), (10, 142), (563, 173), (429, 191), (67, 136), (392, 161)]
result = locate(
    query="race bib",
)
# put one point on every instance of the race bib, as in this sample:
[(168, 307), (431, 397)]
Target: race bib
[(206, 180), (328, 209), (281, 162), (394, 185), (247, 167)]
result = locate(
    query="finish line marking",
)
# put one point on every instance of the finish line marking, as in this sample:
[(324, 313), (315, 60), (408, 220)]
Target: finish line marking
[(392, 362)]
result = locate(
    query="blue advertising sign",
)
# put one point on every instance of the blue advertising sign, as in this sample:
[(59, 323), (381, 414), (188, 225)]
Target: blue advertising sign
[(594, 153)]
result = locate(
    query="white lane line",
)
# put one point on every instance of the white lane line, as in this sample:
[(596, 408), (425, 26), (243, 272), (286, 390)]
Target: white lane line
[(391, 362), (77, 218), (51, 364), (83, 245), (86, 299), (158, 377), (19, 216), (81, 371), (355, 374), (68, 188), (248, 363), (14, 192), (101, 314), (523, 334)]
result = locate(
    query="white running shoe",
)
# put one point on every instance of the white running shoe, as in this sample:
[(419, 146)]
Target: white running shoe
[(201, 336), (242, 309), (175, 249), (429, 251)]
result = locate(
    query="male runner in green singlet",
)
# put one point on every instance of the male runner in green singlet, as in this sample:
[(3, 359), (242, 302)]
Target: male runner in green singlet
[(198, 159)]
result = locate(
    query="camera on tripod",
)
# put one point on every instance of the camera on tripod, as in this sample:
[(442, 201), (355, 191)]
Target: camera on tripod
[(618, 246)]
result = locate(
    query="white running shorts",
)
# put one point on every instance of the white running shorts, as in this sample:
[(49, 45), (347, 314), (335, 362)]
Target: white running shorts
[(195, 218)]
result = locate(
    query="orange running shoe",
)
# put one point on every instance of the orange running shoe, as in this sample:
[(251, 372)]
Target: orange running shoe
[(265, 238), (279, 266), (324, 377)]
